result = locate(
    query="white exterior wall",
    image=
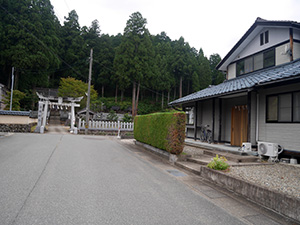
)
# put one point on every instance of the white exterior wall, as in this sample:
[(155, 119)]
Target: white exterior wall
[(285, 134), (231, 73), (276, 36), (296, 50)]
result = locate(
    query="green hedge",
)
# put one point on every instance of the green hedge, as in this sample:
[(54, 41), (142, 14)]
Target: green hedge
[(161, 130)]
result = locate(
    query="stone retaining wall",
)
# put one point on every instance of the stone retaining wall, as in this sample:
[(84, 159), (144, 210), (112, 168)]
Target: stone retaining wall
[(279, 202), (16, 128)]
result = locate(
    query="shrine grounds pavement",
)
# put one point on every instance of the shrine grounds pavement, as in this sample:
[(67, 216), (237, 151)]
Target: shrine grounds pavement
[(77, 179)]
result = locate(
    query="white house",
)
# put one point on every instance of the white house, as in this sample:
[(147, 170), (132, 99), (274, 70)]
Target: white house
[(260, 99)]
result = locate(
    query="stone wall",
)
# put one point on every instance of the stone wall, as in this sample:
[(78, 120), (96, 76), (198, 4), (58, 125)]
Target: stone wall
[(19, 128)]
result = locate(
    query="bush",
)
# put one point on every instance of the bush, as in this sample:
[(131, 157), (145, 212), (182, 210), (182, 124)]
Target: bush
[(127, 118), (162, 130), (218, 163), (112, 116)]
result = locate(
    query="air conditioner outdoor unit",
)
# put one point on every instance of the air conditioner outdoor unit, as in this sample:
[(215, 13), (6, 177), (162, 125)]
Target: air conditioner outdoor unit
[(269, 149)]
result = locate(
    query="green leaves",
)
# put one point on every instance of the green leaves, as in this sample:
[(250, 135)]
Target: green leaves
[(70, 87), (162, 130), (17, 97)]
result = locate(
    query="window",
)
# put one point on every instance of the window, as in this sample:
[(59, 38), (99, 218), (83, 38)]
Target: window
[(272, 103), (296, 107), (240, 67), (264, 38), (283, 107), (248, 65), (269, 58), (256, 62), (261, 39)]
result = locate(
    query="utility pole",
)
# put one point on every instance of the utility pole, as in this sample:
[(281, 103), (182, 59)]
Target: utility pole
[(12, 87), (88, 95)]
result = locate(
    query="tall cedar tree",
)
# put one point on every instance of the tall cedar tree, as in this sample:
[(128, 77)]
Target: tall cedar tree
[(134, 57)]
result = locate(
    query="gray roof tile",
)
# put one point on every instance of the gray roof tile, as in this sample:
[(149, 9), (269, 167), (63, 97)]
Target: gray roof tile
[(15, 113), (244, 82)]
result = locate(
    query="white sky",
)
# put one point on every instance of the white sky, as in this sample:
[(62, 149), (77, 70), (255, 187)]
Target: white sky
[(213, 25)]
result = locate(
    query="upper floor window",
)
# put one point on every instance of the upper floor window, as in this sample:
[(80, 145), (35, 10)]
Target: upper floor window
[(264, 38), (256, 62)]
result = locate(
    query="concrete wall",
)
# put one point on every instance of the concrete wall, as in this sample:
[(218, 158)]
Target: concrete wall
[(285, 134), (8, 119)]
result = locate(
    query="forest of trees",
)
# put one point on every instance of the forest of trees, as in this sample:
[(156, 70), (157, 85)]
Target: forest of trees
[(135, 64)]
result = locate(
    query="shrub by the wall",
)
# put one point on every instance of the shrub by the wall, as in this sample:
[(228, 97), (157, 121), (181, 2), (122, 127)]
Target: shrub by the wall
[(161, 130)]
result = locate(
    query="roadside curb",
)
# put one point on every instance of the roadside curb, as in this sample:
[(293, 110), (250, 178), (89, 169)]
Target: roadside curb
[(279, 202)]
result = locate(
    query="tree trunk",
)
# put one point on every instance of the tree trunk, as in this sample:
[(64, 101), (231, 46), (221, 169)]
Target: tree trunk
[(17, 77), (137, 99), (168, 96), (102, 90), (162, 100), (122, 95), (180, 87), (133, 98), (174, 93), (116, 96), (188, 88)]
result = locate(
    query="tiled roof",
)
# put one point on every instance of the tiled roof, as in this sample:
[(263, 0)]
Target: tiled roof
[(14, 113), (242, 83)]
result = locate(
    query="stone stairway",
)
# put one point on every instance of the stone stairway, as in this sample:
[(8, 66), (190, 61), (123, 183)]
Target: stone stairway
[(54, 118)]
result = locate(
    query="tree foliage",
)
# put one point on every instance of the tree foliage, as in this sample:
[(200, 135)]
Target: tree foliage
[(136, 64), (70, 87), (17, 97)]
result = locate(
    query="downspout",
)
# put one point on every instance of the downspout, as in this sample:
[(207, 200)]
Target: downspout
[(257, 116)]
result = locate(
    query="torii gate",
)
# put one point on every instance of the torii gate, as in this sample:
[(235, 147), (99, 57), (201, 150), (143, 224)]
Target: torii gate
[(44, 102)]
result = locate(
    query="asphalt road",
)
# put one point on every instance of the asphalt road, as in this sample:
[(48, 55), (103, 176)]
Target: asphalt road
[(75, 179)]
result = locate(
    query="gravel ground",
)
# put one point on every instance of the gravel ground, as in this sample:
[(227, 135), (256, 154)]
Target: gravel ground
[(279, 177)]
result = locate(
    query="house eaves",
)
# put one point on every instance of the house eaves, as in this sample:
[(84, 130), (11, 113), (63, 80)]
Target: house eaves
[(245, 82), (254, 30)]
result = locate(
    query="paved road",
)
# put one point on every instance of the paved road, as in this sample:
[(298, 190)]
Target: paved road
[(74, 179)]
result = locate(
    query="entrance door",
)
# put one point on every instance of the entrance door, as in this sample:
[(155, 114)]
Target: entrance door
[(239, 125)]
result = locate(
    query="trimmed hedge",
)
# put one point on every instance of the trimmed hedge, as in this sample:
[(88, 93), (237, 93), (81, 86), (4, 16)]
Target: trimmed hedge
[(161, 130)]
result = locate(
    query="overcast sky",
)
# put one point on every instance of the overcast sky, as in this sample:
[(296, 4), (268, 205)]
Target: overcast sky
[(213, 25)]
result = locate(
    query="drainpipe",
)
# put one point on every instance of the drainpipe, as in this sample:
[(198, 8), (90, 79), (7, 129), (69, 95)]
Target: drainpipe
[(257, 116)]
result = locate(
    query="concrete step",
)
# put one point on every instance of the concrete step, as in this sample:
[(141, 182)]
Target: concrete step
[(231, 157), (189, 166)]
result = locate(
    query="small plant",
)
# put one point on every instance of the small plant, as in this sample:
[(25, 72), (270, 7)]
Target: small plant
[(218, 163), (127, 118), (112, 116)]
